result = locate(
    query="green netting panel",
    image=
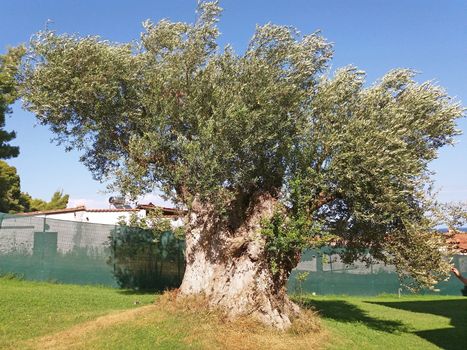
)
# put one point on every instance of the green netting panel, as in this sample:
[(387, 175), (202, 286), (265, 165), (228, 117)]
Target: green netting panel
[(321, 271), (85, 253)]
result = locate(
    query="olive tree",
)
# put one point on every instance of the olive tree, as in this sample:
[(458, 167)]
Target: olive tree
[(267, 150)]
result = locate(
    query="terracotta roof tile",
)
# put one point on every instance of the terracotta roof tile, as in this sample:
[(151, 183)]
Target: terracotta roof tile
[(111, 210), (460, 240)]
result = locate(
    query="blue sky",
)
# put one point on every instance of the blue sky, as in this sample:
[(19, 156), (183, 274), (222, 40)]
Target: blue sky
[(375, 35)]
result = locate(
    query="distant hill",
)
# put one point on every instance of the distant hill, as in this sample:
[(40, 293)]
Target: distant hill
[(445, 229)]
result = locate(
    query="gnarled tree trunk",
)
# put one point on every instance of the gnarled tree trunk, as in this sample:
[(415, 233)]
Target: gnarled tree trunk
[(230, 267)]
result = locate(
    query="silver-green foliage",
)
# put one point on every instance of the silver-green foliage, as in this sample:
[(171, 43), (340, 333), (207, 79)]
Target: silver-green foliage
[(174, 111)]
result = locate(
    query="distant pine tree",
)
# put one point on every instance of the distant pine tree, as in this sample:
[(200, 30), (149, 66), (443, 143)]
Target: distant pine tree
[(9, 64), (12, 200), (58, 201)]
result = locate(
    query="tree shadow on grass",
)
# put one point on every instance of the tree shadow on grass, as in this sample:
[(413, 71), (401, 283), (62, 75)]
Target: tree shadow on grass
[(446, 338), (139, 292), (343, 311)]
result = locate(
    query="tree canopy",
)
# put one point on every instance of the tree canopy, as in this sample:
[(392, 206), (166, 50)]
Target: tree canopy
[(9, 65), (58, 201), (12, 200), (347, 161)]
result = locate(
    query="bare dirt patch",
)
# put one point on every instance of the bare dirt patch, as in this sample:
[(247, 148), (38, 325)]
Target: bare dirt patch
[(75, 336)]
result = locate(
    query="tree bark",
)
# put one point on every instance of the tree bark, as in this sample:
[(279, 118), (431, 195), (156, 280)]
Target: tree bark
[(231, 268)]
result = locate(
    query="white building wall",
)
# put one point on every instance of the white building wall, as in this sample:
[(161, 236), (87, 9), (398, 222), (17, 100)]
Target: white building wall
[(104, 217)]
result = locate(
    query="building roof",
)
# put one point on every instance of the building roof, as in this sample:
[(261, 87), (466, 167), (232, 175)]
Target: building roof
[(165, 211), (53, 211), (459, 239)]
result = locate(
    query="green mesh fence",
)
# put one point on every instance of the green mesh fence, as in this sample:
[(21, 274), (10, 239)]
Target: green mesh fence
[(321, 271), (84, 253)]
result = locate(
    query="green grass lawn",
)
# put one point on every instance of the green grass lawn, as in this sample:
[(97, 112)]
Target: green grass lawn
[(31, 310), (389, 322)]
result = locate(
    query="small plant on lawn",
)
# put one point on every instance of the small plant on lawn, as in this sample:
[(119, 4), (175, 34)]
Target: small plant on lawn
[(300, 278)]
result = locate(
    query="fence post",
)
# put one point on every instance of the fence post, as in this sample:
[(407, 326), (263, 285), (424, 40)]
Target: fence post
[(114, 250), (2, 215)]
